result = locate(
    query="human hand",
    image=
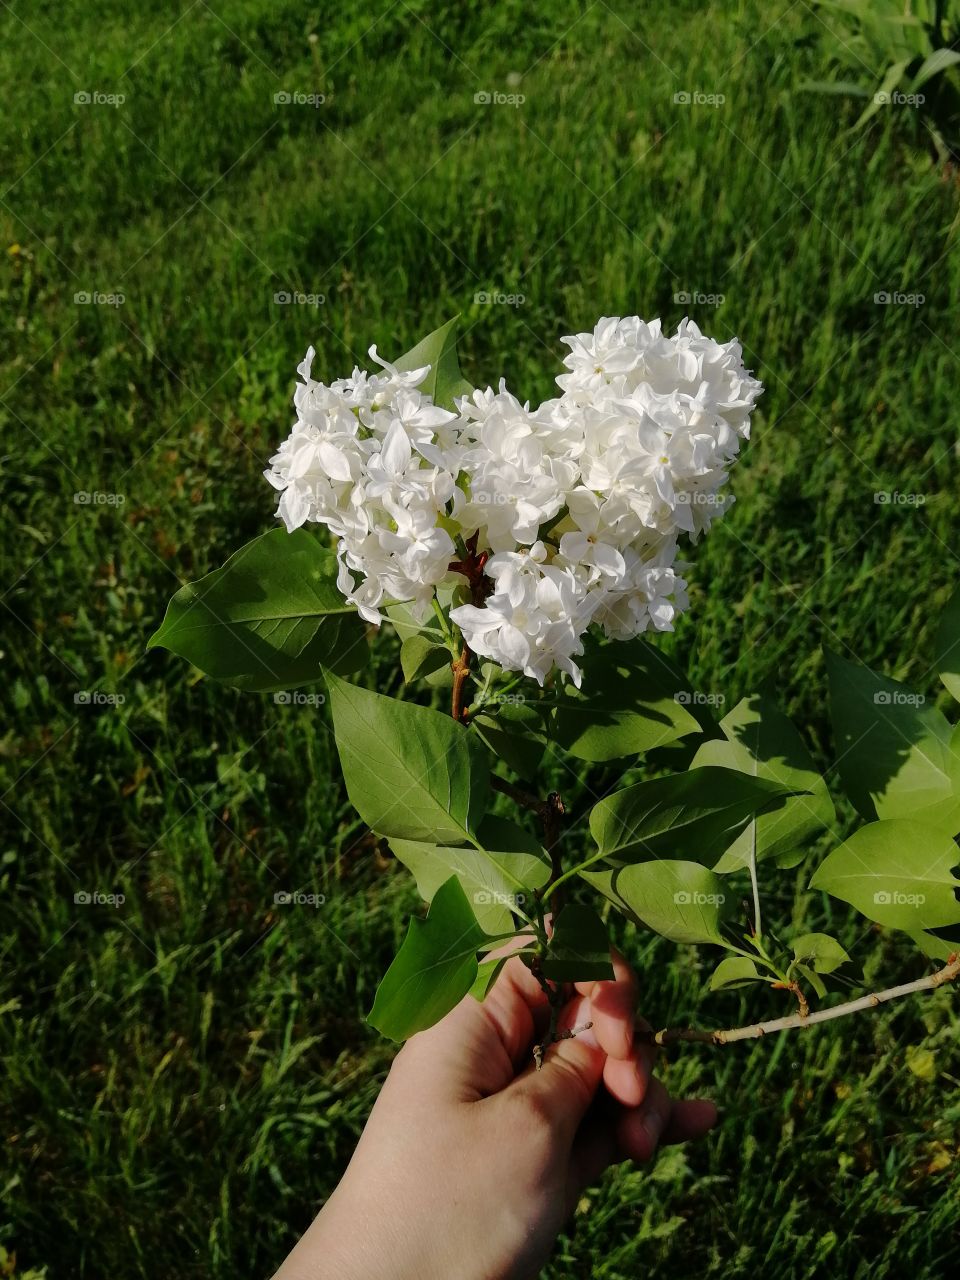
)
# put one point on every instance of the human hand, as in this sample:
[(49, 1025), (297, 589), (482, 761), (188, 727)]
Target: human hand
[(472, 1159)]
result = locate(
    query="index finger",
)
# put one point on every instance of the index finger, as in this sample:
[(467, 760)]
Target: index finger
[(613, 1006)]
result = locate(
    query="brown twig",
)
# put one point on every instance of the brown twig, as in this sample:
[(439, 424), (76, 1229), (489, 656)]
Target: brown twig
[(471, 568), (525, 799), (692, 1035), (461, 669), (803, 1008), (556, 993)]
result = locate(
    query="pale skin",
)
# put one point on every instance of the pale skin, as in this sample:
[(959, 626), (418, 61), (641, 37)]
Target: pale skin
[(472, 1160)]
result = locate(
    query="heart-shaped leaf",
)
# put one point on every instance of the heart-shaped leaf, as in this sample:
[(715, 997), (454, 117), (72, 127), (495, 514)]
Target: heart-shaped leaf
[(411, 773), (269, 618), (683, 901)]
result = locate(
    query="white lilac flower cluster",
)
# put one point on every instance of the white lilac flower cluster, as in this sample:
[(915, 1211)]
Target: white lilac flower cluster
[(572, 509)]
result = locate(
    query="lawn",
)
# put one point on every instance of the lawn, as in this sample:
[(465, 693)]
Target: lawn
[(185, 1073)]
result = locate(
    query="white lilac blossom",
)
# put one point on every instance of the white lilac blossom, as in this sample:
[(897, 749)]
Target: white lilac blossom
[(573, 509), (366, 457)]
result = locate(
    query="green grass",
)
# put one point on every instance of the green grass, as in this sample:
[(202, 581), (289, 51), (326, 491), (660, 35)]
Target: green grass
[(184, 1076)]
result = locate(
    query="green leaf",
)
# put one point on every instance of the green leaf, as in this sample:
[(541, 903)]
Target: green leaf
[(630, 704), (433, 970), (895, 755), (411, 773), (579, 948), (510, 731), (947, 659), (734, 971), (760, 740), (821, 952), (267, 619), (503, 873), (694, 815), (933, 946), (420, 656), (487, 973), (896, 872), (683, 901), (402, 618), (811, 975), (439, 351)]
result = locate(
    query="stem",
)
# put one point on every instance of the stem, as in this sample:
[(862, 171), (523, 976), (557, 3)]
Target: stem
[(570, 873), (444, 624), (757, 925), (482, 696), (523, 798), (549, 811), (691, 1035), (550, 814), (471, 567), (461, 669)]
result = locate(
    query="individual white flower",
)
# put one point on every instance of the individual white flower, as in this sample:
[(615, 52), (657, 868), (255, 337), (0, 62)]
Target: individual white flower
[(614, 350), (533, 621)]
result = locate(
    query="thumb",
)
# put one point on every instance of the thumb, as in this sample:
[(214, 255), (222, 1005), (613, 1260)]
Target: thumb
[(565, 1086)]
